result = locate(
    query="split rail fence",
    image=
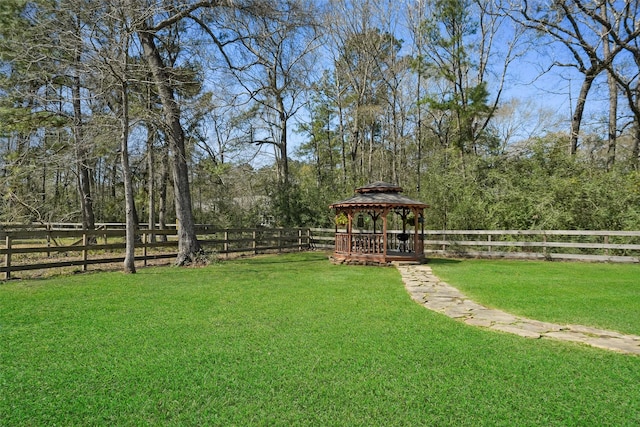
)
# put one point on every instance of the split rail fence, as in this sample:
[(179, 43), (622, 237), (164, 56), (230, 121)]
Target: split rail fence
[(67, 245), (577, 245), (64, 245)]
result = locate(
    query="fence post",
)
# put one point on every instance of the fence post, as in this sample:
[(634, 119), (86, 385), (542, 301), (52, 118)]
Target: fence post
[(254, 243), (489, 240), (299, 239), (48, 240), (279, 240), (225, 246), (145, 237), (7, 257), (606, 242), (85, 252)]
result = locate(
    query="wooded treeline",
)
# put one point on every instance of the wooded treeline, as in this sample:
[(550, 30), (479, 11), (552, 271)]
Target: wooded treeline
[(255, 112)]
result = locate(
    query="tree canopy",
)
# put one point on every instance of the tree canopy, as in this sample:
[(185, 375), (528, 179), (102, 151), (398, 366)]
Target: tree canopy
[(497, 114)]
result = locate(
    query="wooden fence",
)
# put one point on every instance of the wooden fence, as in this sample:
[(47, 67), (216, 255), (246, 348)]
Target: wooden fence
[(65, 245), (604, 246), (36, 248)]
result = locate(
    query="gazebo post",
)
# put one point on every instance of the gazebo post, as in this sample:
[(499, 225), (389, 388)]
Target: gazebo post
[(349, 230), (385, 212), (415, 230)]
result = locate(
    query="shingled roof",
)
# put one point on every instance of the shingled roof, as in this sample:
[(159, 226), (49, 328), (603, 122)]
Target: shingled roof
[(378, 194)]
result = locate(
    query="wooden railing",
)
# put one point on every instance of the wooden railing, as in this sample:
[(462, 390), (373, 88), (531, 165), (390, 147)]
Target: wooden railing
[(365, 243), (580, 245), (37, 249)]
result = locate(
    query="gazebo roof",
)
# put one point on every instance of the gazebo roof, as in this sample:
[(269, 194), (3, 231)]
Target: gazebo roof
[(378, 194)]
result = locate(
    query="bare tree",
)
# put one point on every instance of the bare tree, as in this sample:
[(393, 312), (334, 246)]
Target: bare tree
[(620, 28), (108, 46), (581, 28), (271, 62), (364, 53)]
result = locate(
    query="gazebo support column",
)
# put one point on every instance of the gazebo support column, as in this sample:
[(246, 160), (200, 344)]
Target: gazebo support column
[(385, 212)]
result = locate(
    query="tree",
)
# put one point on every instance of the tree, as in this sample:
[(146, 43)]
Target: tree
[(364, 57), (461, 46), (619, 24), (583, 30), (47, 69), (272, 64), (113, 56), (148, 31)]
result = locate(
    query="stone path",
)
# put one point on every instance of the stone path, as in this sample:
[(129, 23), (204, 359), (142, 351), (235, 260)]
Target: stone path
[(434, 294)]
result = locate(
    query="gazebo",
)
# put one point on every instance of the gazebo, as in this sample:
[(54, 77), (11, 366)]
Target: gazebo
[(363, 226)]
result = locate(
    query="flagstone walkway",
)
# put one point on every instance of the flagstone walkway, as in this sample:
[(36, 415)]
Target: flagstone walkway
[(426, 289)]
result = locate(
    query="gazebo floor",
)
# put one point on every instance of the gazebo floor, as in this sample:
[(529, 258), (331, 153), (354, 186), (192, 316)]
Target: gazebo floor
[(377, 259)]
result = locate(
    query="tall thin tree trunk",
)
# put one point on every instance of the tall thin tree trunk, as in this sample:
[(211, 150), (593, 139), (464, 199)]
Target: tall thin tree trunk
[(613, 123), (151, 181), (131, 220), (613, 95), (343, 146), (371, 149), (84, 186), (162, 203), (576, 120), (635, 152)]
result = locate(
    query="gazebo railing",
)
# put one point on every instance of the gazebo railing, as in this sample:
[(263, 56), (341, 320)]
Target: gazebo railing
[(367, 243), (343, 243), (373, 243)]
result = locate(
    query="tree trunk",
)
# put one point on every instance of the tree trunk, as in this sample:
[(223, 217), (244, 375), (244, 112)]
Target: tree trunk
[(613, 95), (131, 222), (150, 182), (613, 124), (188, 246), (84, 187), (635, 154), (283, 162), (576, 120), (162, 203), (343, 146)]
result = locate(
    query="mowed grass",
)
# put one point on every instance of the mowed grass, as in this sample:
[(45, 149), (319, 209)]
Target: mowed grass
[(593, 294), (283, 340)]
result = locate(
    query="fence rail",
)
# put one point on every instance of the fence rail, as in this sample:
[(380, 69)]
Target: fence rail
[(600, 245), (36, 248)]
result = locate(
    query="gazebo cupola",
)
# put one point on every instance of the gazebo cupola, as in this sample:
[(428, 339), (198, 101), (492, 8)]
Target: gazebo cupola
[(363, 226)]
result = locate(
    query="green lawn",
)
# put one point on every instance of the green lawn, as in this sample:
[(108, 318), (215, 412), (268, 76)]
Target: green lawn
[(283, 340), (598, 295)]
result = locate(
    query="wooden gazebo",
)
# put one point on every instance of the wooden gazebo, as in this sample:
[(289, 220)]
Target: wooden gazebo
[(363, 226)]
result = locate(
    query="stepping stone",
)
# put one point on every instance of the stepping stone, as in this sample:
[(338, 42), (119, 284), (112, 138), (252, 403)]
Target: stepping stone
[(512, 329), (598, 332), (539, 327), (496, 316), (457, 311), (568, 336), (484, 323)]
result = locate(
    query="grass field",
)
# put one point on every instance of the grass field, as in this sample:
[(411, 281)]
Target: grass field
[(284, 340), (594, 294)]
